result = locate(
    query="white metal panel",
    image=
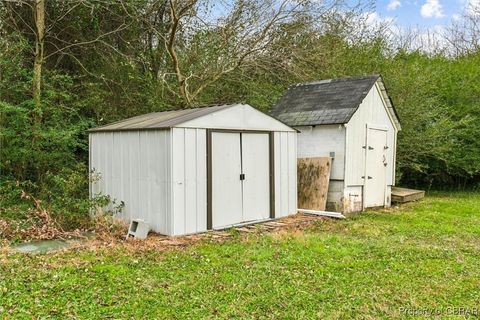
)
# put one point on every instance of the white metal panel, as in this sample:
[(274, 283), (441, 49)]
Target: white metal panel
[(118, 185), (145, 185), (320, 141), (284, 172), (201, 184), (189, 181), (238, 117), (375, 172), (277, 142), (135, 169), (256, 167), (134, 211), (292, 172), (178, 180), (371, 110), (285, 163), (164, 160), (226, 183)]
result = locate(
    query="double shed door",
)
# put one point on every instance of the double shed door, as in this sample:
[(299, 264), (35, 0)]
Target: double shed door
[(376, 167), (240, 177)]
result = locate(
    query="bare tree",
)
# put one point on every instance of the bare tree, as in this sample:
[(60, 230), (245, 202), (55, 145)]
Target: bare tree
[(39, 14), (205, 41), (37, 20), (464, 32)]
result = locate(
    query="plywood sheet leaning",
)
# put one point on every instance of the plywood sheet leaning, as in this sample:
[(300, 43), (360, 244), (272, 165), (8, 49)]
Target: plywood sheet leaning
[(313, 179)]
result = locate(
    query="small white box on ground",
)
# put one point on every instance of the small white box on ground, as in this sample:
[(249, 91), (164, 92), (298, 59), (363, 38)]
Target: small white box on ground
[(138, 229)]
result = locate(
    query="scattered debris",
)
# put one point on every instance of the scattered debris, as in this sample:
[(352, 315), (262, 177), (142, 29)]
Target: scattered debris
[(323, 213), (163, 243), (138, 229)]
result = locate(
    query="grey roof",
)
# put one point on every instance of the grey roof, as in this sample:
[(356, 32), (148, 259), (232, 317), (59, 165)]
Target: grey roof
[(332, 101), (160, 120)]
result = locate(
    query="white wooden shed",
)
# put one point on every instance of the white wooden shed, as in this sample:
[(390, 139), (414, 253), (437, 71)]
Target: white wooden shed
[(192, 170), (354, 122)]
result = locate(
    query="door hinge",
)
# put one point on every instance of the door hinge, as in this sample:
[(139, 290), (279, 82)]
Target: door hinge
[(370, 148), (386, 147), (242, 176), (369, 177)]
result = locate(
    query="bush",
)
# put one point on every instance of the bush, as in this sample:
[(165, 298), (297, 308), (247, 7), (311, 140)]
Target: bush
[(60, 205)]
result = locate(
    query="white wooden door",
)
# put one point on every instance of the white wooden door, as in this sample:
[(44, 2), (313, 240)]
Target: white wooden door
[(256, 170), (226, 184), (375, 172)]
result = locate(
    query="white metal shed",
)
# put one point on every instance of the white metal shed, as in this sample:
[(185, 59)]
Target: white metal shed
[(191, 170), (353, 121)]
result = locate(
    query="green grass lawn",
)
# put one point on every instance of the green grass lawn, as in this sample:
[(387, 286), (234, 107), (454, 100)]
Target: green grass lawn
[(422, 256)]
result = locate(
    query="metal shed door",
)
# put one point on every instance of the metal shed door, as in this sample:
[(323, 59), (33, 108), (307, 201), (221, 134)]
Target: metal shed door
[(256, 167), (375, 178), (240, 178), (226, 183)]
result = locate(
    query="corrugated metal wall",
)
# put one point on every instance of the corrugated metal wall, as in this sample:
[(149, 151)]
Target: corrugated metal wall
[(135, 168), (189, 178), (370, 111), (161, 175), (285, 150)]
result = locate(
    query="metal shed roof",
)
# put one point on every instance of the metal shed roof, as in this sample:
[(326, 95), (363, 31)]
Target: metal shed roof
[(332, 101), (160, 120)]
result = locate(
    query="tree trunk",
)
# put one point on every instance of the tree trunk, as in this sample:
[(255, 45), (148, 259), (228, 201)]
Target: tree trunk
[(36, 119), (38, 63)]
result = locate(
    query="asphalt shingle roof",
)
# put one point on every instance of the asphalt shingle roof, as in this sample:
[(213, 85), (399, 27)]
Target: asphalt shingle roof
[(331, 101)]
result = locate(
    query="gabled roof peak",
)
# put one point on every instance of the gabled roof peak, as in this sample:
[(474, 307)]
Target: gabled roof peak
[(329, 101), (162, 119), (336, 80)]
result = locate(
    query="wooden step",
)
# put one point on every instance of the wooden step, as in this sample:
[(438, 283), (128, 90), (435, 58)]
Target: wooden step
[(403, 195)]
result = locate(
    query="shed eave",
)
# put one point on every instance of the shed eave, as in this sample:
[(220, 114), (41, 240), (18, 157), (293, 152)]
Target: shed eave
[(310, 124), (93, 130)]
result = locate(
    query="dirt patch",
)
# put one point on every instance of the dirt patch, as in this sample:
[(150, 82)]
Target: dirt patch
[(288, 224), (159, 243)]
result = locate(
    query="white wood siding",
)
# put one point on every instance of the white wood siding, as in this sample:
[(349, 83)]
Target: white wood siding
[(285, 150), (371, 111), (352, 199), (134, 167), (319, 141), (189, 178)]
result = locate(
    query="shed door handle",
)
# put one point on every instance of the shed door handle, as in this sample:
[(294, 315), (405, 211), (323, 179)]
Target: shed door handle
[(242, 176)]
